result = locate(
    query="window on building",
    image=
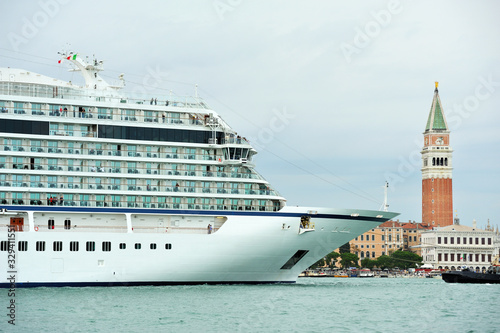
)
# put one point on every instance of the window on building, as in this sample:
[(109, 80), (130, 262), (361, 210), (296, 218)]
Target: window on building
[(446, 257), (373, 254), (477, 257), (482, 241), (383, 237), (489, 241), (483, 257), (439, 240), (373, 237), (439, 256), (452, 241), (452, 257), (458, 240), (362, 237), (477, 240), (445, 240)]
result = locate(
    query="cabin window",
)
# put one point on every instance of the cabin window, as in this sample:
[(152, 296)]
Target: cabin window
[(168, 246), (4, 246), (40, 246), (57, 246), (152, 246), (106, 246), (137, 246), (90, 246), (73, 246), (51, 224), (22, 246), (67, 224), (123, 246)]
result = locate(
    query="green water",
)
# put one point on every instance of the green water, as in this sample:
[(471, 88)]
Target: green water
[(311, 305)]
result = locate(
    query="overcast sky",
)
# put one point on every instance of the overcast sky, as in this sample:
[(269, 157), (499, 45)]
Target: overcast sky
[(334, 94)]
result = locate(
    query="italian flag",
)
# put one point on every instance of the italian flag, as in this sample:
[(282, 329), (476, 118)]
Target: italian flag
[(74, 57)]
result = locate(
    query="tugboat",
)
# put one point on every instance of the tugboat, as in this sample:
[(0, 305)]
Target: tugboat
[(492, 275)]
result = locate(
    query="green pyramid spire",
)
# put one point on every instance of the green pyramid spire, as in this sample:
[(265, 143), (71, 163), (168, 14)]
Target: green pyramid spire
[(436, 120)]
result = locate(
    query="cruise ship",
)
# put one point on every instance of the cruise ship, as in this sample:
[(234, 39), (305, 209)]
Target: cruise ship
[(101, 189)]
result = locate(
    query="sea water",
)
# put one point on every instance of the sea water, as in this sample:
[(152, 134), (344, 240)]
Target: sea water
[(310, 305)]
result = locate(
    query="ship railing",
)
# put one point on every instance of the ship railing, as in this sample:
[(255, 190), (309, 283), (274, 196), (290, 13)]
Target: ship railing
[(67, 111), (260, 204), (172, 229), (139, 189), (118, 229), (100, 95)]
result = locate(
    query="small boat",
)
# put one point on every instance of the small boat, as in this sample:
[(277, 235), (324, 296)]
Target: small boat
[(492, 275), (366, 273)]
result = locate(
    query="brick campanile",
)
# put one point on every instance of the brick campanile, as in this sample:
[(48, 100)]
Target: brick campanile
[(437, 198)]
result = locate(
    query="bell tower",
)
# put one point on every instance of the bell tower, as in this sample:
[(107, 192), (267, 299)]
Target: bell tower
[(437, 198)]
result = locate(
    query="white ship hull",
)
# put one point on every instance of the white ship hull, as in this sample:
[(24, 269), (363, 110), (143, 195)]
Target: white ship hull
[(249, 247)]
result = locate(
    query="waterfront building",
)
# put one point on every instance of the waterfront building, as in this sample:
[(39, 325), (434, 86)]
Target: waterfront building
[(456, 245), (387, 238), (437, 198)]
